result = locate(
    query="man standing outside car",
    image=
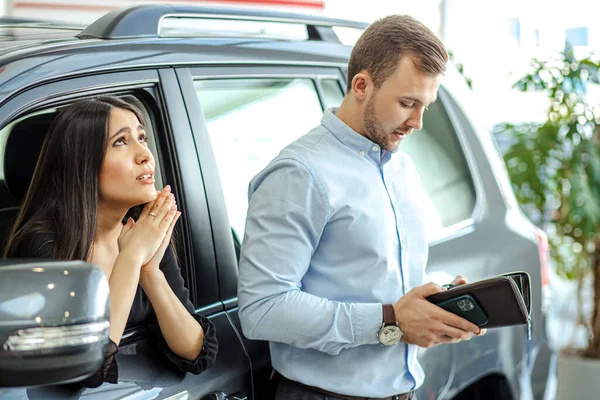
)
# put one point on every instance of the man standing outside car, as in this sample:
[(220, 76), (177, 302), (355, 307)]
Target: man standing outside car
[(332, 266)]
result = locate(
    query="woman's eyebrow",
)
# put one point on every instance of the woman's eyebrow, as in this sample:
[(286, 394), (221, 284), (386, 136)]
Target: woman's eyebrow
[(124, 129)]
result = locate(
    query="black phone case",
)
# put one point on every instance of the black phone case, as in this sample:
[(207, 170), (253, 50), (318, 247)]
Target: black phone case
[(467, 307)]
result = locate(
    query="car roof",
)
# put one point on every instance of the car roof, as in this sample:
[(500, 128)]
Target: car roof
[(19, 33), (131, 38)]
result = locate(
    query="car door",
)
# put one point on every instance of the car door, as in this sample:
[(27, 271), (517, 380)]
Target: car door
[(143, 373), (249, 115)]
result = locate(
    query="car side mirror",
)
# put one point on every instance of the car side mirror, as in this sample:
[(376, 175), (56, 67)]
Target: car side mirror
[(54, 321)]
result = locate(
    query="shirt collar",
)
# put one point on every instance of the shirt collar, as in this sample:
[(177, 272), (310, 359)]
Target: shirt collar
[(352, 139)]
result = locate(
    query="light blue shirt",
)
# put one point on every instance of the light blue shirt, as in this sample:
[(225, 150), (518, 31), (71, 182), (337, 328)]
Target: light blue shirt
[(335, 229)]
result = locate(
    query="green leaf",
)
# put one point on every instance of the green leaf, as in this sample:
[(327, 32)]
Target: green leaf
[(555, 166)]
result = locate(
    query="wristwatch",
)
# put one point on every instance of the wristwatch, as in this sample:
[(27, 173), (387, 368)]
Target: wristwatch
[(390, 332)]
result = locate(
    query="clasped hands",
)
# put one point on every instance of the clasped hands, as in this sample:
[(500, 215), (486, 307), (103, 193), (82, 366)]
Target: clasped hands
[(147, 239)]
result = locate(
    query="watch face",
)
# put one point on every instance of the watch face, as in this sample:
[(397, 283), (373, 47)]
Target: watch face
[(390, 335)]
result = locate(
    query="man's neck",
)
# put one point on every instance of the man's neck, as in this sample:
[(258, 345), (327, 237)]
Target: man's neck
[(351, 116)]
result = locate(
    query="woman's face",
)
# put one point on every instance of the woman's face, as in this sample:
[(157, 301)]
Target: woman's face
[(127, 174)]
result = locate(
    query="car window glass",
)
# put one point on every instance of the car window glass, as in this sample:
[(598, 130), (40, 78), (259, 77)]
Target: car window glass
[(249, 121), (5, 132), (443, 170), (332, 93)]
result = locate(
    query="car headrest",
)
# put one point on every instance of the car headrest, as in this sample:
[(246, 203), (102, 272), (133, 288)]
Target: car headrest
[(22, 150)]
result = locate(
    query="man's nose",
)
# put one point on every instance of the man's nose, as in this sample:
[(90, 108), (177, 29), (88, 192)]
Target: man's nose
[(416, 119)]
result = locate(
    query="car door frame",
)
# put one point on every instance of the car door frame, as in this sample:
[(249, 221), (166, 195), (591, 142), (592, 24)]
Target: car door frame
[(181, 168)]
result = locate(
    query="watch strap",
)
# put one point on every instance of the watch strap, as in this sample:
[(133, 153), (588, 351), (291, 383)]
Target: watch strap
[(389, 316)]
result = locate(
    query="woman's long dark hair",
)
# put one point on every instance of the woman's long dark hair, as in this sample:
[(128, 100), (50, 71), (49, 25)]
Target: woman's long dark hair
[(62, 198)]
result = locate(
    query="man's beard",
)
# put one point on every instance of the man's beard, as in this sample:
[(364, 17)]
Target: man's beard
[(373, 128)]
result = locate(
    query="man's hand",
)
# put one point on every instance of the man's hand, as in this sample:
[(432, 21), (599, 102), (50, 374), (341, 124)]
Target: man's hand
[(427, 325), (459, 280)]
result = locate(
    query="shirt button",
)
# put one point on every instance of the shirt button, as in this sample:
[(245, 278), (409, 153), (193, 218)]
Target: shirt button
[(362, 153), (375, 148)]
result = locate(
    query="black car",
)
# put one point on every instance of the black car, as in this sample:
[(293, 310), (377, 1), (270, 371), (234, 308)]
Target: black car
[(222, 91)]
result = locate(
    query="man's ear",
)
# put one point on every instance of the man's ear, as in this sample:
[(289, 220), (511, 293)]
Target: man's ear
[(362, 85)]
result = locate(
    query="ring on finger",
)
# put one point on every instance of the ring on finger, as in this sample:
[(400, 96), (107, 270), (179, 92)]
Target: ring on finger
[(152, 214)]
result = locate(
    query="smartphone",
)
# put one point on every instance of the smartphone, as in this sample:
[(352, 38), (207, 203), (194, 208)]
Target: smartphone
[(467, 307)]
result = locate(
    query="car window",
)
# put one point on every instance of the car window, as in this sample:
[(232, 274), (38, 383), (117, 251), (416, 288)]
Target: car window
[(249, 121), (443, 170), (331, 92), (20, 144)]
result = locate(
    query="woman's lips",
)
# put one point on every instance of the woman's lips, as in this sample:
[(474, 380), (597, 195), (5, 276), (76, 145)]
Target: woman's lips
[(146, 179)]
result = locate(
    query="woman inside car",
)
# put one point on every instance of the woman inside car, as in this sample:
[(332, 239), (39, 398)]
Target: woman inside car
[(92, 198)]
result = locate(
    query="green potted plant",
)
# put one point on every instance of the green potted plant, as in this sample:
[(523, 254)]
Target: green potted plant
[(555, 172)]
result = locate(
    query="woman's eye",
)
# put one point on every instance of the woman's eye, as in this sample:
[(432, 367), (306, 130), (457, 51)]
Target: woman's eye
[(143, 138), (119, 142), (405, 105)]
